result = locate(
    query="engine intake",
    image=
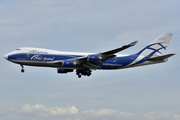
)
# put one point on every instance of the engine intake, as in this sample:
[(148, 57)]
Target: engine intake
[(61, 70)]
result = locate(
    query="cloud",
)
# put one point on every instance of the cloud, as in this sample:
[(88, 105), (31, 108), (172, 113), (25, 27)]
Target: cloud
[(101, 112), (7, 110), (73, 113), (108, 114), (42, 111)]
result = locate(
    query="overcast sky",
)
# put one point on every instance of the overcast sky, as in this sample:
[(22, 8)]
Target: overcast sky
[(142, 93)]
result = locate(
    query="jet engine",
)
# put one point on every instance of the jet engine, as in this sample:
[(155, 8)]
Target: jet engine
[(68, 63), (61, 70), (94, 58)]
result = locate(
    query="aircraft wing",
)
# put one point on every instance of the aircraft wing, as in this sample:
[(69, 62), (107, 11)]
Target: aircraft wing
[(92, 61), (110, 54), (82, 62)]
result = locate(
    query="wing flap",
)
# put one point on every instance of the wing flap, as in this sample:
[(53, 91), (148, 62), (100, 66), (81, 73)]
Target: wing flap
[(88, 66)]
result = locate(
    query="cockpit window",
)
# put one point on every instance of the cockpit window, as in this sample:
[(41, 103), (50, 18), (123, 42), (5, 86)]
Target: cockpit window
[(18, 49)]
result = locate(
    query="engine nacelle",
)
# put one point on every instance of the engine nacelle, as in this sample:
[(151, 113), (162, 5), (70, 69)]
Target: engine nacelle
[(61, 70), (94, 58), (68, 63)]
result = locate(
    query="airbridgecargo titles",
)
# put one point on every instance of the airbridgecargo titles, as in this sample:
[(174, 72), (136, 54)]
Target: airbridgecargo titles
[(84, 63)]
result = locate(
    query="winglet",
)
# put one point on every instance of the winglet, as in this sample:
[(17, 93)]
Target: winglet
[(133, 43)]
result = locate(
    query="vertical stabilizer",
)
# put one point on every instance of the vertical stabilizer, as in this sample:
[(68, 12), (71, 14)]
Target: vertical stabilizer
[(157, 47)]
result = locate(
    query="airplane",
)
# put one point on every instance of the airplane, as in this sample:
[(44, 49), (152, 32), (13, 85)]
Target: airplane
[(84, 63)]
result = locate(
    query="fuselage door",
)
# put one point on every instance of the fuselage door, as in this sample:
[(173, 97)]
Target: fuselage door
[(27, 56)]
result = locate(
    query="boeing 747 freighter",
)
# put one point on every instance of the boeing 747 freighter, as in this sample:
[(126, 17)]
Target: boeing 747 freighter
[(84, 63)]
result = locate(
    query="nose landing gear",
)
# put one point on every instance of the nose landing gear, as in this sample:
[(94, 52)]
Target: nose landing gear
[(22, 70)]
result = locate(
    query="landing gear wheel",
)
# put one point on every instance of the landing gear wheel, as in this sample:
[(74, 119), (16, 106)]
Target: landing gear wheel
[(81, 71), (22, 70), (89, 73), (79, 76)]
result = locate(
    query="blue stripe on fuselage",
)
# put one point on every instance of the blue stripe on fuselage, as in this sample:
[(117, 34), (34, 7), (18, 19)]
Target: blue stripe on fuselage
[(118, 62), (40, 57)]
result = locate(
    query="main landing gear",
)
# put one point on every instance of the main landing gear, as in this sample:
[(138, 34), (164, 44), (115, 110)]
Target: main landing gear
[(81, 72), (22, 70)]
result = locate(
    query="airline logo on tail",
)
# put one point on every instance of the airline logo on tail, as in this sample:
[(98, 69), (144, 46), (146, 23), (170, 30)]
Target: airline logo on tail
[(155, 49)]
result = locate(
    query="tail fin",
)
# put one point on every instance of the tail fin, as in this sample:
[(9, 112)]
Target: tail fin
[(157, 47)]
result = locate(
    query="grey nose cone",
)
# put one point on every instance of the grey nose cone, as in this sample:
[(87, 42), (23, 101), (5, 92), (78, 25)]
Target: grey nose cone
[(6, 57)]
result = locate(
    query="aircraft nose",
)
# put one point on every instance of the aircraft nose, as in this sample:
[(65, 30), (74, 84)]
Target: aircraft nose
[(6, 57)]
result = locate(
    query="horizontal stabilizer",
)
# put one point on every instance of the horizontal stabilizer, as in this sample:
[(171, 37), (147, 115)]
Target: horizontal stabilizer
[(163, 57)]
